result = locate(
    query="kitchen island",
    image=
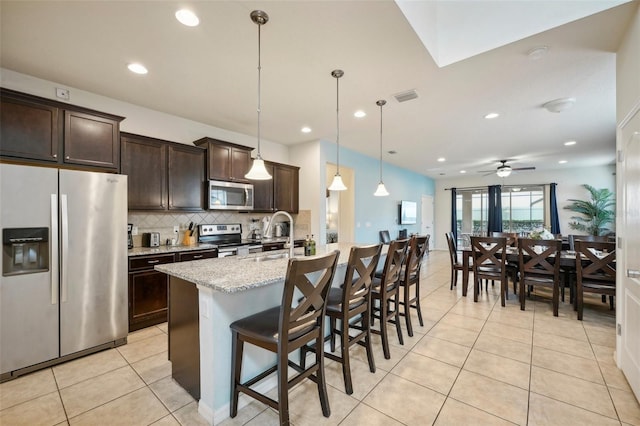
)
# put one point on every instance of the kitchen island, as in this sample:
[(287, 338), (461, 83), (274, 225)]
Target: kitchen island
[(213, 293)]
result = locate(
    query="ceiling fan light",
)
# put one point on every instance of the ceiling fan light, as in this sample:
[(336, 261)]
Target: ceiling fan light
[(337, 184), (381, 191), (504, 171), (258, 170)]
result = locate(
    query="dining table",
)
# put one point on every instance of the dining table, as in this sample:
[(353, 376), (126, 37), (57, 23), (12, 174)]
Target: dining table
[(567, 262)]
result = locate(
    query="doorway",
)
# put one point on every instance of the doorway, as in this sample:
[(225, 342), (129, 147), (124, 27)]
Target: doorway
[(340, 207), (426, 223)]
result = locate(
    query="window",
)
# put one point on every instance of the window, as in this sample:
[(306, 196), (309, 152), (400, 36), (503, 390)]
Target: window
[(523, 210)]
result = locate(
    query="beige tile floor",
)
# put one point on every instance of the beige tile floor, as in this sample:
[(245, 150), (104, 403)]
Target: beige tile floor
[(471, 364)]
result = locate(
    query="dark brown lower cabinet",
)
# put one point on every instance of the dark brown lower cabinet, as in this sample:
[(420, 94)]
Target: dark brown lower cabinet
[(184, 335), (148, 291)]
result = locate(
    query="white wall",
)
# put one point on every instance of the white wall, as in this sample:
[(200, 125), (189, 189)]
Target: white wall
[(140, 120), (569, 182), (311, 194)]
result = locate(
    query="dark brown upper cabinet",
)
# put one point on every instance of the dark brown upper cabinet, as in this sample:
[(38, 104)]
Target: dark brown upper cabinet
[(226, 161), (279, 193), (163, 175), (44, 131)]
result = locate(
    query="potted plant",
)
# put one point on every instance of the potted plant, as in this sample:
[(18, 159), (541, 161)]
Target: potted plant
[(595, 212)]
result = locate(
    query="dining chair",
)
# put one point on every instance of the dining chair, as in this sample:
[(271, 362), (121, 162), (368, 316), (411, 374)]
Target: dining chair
[(456, 265), (350, 304), (410, 278), (489, 263), (512, 268), (540, 266), (595, 271), (283, 329), (571, 278), (385, 291)]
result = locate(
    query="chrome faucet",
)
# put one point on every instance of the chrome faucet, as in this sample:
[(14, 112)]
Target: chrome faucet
[(290, 241)]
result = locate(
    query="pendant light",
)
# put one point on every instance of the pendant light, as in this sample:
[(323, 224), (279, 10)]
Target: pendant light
[(337, 184), (381, 191), (258, 171)]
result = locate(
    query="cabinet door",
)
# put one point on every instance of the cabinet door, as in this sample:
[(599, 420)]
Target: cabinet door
[(186, 178), (145, 164), (285, 184), (219, 162), (240, 164), (91, 140), (28, 130), (263, 192), (148, 299)]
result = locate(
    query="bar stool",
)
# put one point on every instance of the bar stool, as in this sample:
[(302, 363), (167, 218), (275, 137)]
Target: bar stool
[(351, 301), (410, 277), (385, 290), (284, 329)]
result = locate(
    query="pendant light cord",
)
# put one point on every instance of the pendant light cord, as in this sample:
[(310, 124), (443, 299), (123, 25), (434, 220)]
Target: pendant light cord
[(259, 81), (381, 142), (338, 124)]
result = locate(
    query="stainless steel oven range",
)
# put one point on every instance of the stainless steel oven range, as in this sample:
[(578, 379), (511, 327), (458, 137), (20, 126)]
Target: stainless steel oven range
[(228, 238)]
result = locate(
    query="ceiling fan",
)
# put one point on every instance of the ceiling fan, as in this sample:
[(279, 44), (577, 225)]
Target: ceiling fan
[(504, 170)]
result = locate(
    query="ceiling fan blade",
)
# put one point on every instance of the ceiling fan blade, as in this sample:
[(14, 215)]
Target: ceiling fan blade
[(486, 171), (524, 168)]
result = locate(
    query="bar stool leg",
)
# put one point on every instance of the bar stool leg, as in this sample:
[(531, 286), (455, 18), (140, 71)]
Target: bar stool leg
[(237, 346)]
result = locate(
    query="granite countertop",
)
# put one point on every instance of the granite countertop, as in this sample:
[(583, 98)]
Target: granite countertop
[(235, 274), (142, 251)]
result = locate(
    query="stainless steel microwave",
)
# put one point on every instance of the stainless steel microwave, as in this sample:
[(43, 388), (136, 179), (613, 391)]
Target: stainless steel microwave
[(230, 196)]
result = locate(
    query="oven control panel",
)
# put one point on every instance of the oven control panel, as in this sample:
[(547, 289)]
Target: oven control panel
[(226, 229)]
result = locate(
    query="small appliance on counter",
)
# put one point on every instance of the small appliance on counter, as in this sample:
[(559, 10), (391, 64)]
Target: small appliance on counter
[(129, 235), (151, 239)]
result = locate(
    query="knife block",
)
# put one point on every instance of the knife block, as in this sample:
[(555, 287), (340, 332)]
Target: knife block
[(188, 240)]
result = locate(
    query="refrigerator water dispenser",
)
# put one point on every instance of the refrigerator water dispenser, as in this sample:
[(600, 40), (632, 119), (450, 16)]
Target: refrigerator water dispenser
[(25, 250)]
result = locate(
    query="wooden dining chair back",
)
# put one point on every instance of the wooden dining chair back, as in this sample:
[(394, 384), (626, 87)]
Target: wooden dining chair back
[(298, 321), (385, 293), (571, 239), (489, 263), (453, 256), (512, 237), (513, 268), (410, 280), (350, 306), (540, 266), (595, 271)]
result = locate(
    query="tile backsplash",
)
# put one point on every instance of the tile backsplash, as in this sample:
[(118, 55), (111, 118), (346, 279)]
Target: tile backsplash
[(164, 222)]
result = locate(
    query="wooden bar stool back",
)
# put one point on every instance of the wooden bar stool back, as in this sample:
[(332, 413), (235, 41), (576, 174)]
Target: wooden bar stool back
[(350, 304), (410, 278), (385, 290), (298, 321)]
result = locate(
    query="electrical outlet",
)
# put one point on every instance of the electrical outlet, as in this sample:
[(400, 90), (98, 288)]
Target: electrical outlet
[(176, 229), (62, 93), (134, 230)]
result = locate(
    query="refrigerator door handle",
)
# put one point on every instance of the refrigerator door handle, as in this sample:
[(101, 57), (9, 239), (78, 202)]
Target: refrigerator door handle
[(65, 246), (54, 249)]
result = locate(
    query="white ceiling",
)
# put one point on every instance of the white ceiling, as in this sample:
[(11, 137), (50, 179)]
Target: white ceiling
[(208, 74)]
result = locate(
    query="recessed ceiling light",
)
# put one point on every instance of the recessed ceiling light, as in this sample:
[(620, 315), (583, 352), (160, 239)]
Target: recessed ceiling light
[(137, 68), (569, 143), (306, 129), (463, 171), (442, 159), (187, 17), (562, 162), (492, 115), (559, 105), (359, 114)]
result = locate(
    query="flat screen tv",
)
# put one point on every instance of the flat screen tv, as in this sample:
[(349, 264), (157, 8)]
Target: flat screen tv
[(408, 213)]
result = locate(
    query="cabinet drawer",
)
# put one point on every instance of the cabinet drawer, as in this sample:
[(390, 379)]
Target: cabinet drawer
[(272, 246), (148, 262), (196, 255)]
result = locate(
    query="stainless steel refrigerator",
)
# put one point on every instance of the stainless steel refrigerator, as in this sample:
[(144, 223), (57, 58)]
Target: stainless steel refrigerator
[(63, 290)]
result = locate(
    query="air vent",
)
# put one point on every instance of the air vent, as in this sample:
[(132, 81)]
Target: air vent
[(406, 96)]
